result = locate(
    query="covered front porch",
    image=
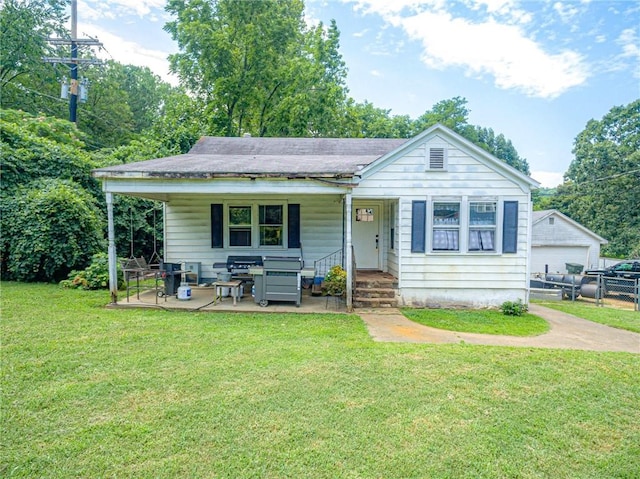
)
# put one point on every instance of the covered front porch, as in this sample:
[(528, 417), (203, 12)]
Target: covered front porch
[(203, 298)]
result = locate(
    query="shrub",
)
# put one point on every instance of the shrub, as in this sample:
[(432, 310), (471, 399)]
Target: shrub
[(49, 228), (514, 308), (335, 282), (94, 276)]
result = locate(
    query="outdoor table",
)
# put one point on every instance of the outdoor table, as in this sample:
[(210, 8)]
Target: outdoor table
[(233, 285)]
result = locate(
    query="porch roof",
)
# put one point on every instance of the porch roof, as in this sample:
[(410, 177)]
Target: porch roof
[(261, 157)]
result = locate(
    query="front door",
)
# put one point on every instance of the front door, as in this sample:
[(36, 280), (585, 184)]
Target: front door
[(366, 235)]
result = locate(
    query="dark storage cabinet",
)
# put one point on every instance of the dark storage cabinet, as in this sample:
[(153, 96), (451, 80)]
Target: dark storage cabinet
[(171, 274), (280, 280)]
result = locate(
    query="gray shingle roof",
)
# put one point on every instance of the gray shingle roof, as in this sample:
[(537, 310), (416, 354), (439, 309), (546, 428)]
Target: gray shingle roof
[(292, 157)]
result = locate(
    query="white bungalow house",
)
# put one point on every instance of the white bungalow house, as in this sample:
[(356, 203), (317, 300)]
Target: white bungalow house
[(449, 221), (558, 240)]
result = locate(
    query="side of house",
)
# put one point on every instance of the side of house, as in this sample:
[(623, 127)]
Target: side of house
[(456, 227)]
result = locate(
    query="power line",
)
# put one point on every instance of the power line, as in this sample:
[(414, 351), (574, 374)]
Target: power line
[(74, 61)]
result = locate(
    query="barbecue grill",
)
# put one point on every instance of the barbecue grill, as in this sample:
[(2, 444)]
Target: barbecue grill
[(239, 264)]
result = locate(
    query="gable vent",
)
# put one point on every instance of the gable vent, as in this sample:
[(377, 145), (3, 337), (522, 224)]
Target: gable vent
[(436, 158)]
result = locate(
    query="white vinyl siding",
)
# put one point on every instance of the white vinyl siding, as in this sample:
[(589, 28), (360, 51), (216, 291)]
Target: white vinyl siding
[(453, 277), (188, 229)]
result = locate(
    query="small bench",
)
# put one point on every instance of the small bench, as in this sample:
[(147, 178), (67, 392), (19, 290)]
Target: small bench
[(234, 285)]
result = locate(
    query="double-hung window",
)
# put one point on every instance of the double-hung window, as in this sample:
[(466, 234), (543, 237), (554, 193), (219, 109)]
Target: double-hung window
[(271, 225), (240, 225), (482, 225), (446, 226)]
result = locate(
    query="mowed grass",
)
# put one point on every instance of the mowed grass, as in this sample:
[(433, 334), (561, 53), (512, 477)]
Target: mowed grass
[(95, 392), (483, 321), (617, 318)]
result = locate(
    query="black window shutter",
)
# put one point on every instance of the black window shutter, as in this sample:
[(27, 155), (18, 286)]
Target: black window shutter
[(418, 231), (510, 227), (293, 226), (217, 227)]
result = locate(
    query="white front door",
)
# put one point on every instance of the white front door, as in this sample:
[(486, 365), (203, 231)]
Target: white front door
[(366, 235)]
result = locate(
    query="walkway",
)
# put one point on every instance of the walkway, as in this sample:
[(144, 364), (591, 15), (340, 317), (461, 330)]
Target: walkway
[(567, 332)]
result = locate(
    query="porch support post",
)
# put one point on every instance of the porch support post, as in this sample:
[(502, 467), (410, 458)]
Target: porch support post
[(111, 235), (349, 252)]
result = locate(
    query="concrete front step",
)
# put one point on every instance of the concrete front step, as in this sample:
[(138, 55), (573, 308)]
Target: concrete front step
[(373, 284), (375, 293), (360, 302)]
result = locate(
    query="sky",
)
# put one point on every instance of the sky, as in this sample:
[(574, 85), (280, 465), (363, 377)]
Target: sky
[(535, 71)]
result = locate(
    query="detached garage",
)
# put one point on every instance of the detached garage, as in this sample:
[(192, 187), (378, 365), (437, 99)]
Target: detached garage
[(558, 240)]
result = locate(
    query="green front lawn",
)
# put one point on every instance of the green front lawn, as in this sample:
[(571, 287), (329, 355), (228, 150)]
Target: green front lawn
[(617, 318), (484, 321), (95, 392)]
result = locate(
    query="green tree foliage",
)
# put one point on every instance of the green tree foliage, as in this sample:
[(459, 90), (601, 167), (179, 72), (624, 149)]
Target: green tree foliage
[(34, 147), (26, 82), (364, 120), (602, 184), (452, 113), (50, 227), (257, 67), (24, 28), (181, 122), (123, 102)]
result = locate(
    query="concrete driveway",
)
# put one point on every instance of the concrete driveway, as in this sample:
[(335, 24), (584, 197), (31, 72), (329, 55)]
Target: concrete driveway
[(567, 332)]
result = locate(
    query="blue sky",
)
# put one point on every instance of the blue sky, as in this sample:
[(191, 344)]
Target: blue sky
[(536, 71)]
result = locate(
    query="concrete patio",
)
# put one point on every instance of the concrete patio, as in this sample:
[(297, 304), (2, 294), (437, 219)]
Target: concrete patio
[(202, 299)]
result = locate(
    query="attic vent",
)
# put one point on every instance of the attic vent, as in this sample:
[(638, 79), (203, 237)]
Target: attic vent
[(436, 158)]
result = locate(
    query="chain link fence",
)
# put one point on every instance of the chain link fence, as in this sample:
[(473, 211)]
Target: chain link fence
[(610, 291)]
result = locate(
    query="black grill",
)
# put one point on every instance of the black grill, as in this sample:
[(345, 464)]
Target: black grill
[(239, 264)]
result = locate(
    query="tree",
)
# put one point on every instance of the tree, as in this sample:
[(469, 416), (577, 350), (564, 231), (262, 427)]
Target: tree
[(257, 68), (181, 122), (454, 114), (498, 146), (24, 28), (35, 147), (26, 82), (602, 184), (364, 120), (55, 226)]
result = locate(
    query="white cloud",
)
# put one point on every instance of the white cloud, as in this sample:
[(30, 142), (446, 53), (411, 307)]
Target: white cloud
[(96, 9), (376, 73), (548, 179), (131, 53), (630, 44), (501, 51), (566, 12)]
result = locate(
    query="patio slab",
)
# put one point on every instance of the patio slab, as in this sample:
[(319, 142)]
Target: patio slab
[(202, 299)]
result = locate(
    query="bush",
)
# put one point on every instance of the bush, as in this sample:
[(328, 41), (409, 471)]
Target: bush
[(335, 282), (95, 276), (514, 308), (49, 228)]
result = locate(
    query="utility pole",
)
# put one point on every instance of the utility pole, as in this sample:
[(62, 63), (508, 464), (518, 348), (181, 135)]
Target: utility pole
[(73, 62)]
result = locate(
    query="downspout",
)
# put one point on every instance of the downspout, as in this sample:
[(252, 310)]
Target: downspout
[(349, 253), (113, 269), (527, 291)]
